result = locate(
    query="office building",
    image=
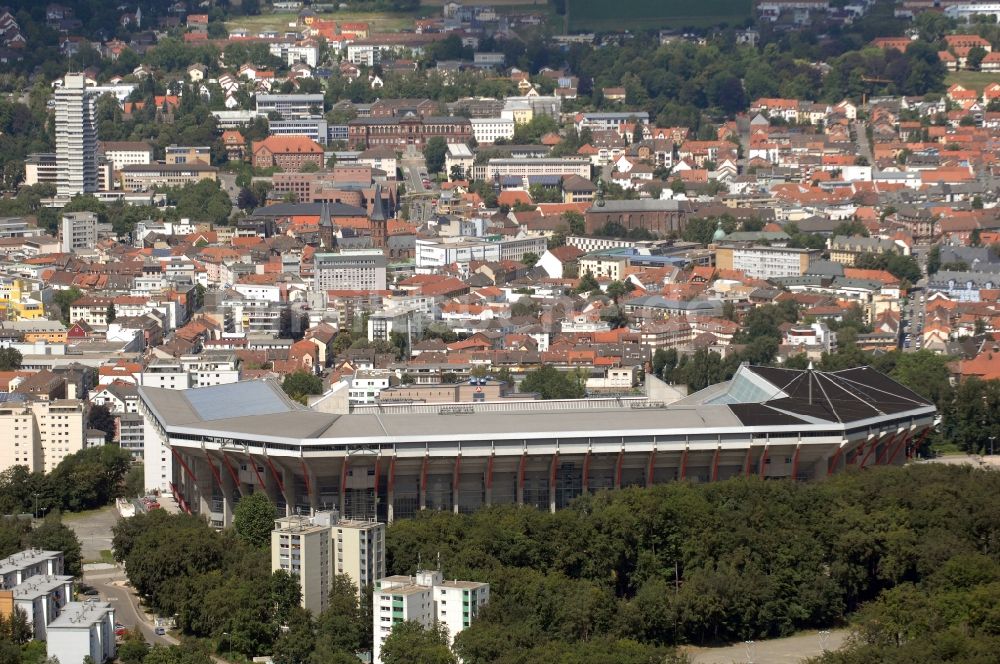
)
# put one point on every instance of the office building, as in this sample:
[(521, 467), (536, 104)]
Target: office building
[(146, 177), (350, 270), (303, 549), (769, 422), (82, 630), (523, 167), (78, 231), (426, 599), (763, 262), (290, 106), (76, 138), (489, 130), (436, 253), (398, 132), (314, 128), (185, 154)]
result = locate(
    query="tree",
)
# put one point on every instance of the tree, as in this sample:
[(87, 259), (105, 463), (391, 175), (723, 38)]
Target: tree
[(53, 535), (412, 643), (111, 314), (246, 200), (63, 299), (934, 260), (10, 359), (616, 289), (529, 259), (296, 645), (550, 383), (253, 519), (974, 59), (100, 417), (301, 384), (587, 283), (664, 362), (576, 222), (434, 154)]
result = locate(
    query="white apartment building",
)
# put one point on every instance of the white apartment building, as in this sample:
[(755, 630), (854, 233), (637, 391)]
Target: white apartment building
[(435, 253), (367, 55), (404, 320), (360, 551), (78, 231), (363, 269), (762, 262), (41, 597), (291, 105), (20, 444), (124, 153), (489, 130), (303, 549), (62, 427), (291, 53), (19, 567), (365, 386), (82, 630), (427, 599), (76, 138), (201, 370)]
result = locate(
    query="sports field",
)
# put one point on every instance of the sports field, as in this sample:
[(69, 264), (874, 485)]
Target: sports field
[(378, 21), (598, 15), (972, 80)]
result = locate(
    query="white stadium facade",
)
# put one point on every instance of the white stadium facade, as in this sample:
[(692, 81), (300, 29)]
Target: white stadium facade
[(209, 446)]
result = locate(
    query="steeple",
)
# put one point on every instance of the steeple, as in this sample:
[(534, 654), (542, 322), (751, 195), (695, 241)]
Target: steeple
[(379, 225), (327, 240)]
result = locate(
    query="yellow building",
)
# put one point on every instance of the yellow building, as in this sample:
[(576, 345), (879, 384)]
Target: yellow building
[(19, 302)]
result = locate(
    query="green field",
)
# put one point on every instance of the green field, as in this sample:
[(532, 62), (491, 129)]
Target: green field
[(601, 15), (972, 80)]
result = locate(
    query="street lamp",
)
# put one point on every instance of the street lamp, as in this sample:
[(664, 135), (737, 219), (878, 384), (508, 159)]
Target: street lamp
[(229, 645), (992, 438), (34, 514)]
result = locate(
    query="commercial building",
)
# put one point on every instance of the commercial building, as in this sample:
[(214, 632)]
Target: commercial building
[(78, 232), (314, 128), (362, 269), (76, 138), (524, 167), (769, 422), (426, 599), (435, 253), (83, 630), (290, 106), (763, 262), (145, 177), (303, 549)]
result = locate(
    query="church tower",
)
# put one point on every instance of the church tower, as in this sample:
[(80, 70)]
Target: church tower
[(379, 225), (327, 240)]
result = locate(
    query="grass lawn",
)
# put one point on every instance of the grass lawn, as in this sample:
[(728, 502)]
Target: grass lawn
[(106, 557), (645, 14), (69, 517), (972, 80), (377, 21)]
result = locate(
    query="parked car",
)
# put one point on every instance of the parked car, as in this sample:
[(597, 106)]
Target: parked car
[(160, 631)]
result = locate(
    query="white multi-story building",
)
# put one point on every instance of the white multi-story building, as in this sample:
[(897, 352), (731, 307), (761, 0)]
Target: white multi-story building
[(363, 269), (303, 549), (523, 167), (365, 386), (78, 231), (290, 106), (42, 597), (290, 52), (76, 138), (489, 130), (360, 551), (426, 599), (125, 153), (435, 253), (19, 567), (39, 434), (762, 262), (83, 630), (201, 370)]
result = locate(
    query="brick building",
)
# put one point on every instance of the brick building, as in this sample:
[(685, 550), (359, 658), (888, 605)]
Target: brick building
[(400, 132), (290, 153), (656, 216)]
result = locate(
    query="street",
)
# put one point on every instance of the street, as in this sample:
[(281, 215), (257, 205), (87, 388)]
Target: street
[(419, 197), (110, 583)]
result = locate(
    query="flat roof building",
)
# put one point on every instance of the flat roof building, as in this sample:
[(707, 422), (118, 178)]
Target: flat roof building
[(303, 549), (766, 421), (82, 629)]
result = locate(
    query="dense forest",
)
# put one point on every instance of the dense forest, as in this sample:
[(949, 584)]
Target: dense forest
[(619, 576)]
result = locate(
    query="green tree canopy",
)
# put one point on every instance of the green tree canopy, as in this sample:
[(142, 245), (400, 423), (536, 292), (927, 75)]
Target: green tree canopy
[(253, 519), (412, 643)]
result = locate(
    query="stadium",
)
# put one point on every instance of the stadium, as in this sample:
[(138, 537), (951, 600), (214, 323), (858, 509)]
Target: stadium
[(209, 446)]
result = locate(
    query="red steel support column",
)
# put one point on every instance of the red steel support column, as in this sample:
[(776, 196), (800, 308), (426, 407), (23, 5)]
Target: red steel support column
[(253, 464), (795, 462), (762, 464), (215, 472), (586, 472), (832, 463), (277, 477), (184, 465), (873, 447), (650, 468), (883, 456), (715, 464), (912, 449), (618, 469), (232, 473), (305, 478)]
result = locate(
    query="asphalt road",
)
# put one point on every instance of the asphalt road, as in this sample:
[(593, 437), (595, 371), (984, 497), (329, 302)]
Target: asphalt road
[(93, 529)]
